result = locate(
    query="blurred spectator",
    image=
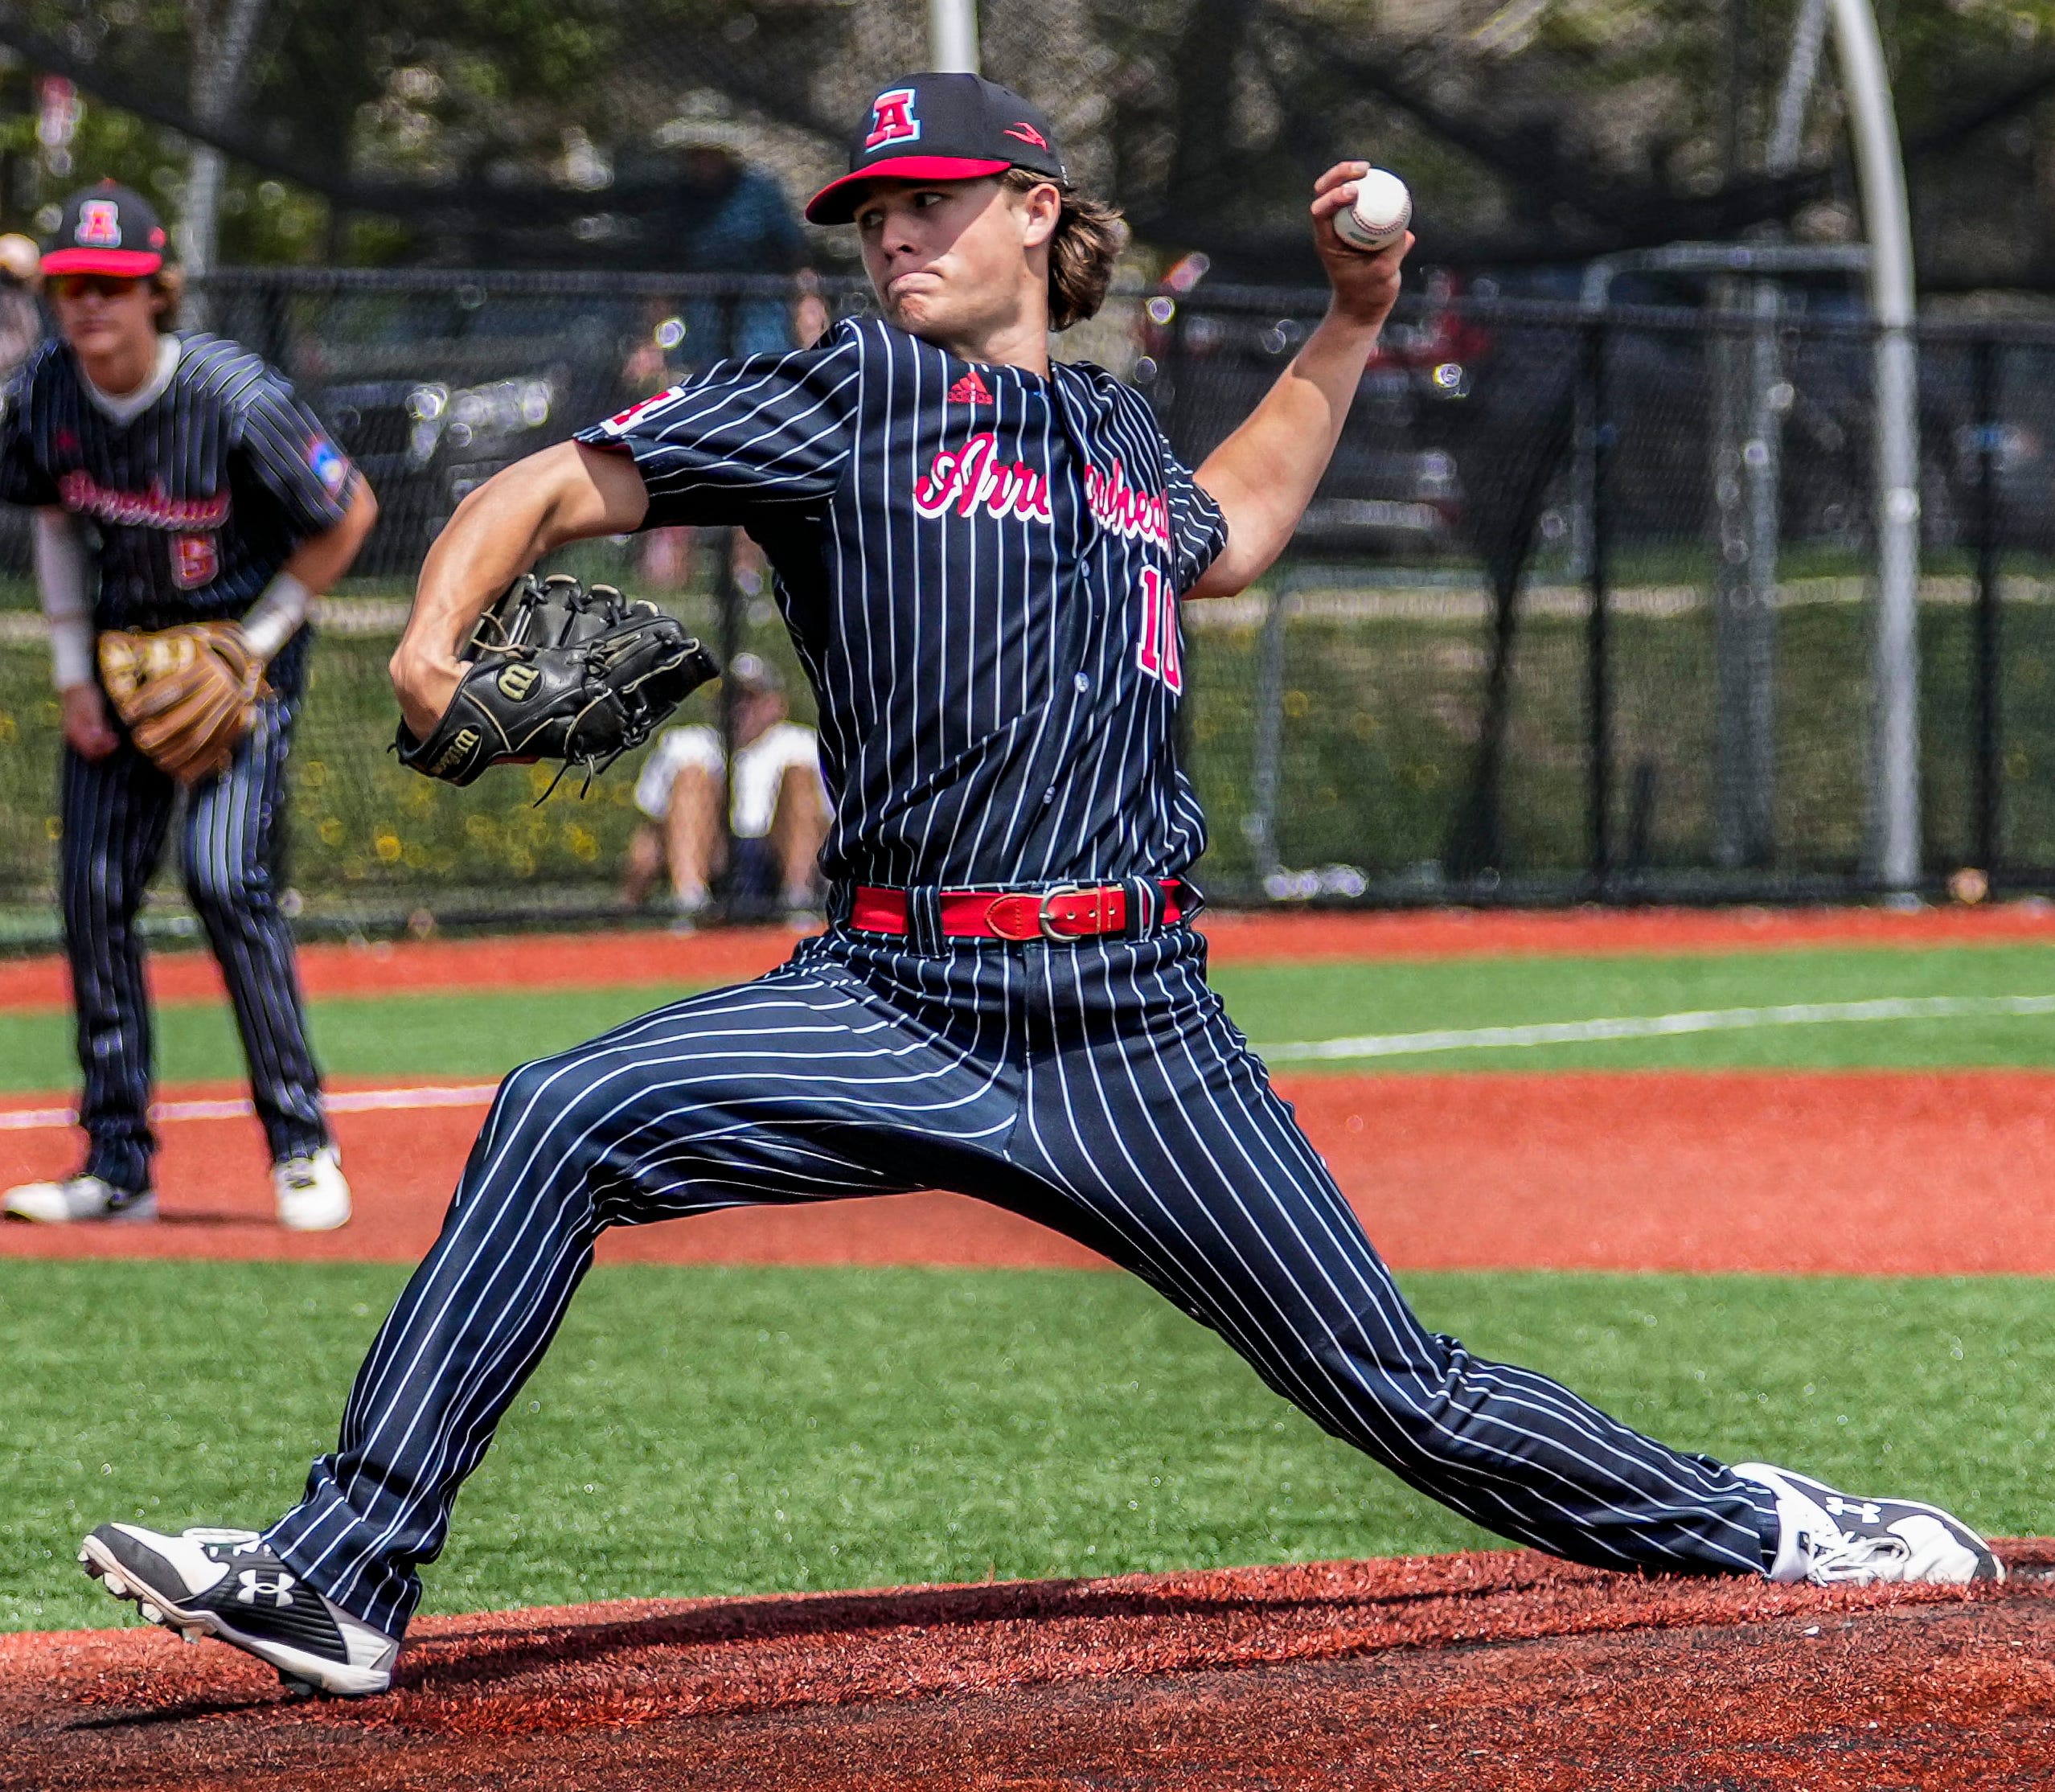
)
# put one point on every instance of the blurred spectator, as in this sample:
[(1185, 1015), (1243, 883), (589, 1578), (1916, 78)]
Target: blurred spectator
[(778, 814), (721, 216), (21, 317)]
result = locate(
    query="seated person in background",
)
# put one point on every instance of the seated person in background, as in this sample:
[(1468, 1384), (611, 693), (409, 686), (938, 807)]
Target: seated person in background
[(779, 813)]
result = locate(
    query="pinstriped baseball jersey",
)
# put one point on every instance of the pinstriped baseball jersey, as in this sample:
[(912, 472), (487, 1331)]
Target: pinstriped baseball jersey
[(980, 568), (196, 502)]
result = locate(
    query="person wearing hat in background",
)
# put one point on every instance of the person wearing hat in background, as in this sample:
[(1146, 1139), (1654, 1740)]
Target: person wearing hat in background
[(176, 481), (21, 317), (779, 812), (718, 215)]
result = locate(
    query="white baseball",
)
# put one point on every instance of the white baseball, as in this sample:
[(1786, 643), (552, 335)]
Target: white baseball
[(1378, 219)]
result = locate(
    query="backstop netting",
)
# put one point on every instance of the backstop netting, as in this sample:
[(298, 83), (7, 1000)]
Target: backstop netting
[(1581, 613)]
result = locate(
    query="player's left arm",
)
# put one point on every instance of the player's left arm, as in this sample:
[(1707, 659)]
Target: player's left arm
[(1264, 475), (328, 506)]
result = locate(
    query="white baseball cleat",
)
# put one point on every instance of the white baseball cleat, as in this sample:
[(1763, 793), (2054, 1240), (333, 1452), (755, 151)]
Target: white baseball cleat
[(1833, 1538), (228, 1584), (79, 1201), (312, 1194)]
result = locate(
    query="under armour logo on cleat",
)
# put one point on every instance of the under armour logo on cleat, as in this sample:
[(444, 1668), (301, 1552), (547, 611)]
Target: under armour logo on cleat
[(970, 390), (256, 1583), (1865, 1511)]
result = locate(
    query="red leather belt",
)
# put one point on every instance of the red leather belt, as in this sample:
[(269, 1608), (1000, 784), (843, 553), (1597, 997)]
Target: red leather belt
[(1068, 914)]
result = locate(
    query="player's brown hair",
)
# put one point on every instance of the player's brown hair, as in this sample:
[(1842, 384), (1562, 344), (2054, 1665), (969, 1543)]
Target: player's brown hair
[(1089, 235)]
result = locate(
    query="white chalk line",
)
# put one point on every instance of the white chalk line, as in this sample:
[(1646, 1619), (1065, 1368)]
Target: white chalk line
[(1643, 1027), (347, 1100), (1368, 1045)]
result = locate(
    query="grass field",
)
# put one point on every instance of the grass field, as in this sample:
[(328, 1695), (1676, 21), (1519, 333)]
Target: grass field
[(704, 1430), (484, 1033)]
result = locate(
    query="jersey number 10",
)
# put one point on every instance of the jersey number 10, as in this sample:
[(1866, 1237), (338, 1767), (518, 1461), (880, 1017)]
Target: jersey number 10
[(1158, 655)]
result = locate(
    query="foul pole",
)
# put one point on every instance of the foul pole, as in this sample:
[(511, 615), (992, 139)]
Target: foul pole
[(953, 36), (1866, 83)]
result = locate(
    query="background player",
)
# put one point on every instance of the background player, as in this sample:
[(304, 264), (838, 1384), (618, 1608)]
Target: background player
[(980, 556), (779, 813), (175, 479)]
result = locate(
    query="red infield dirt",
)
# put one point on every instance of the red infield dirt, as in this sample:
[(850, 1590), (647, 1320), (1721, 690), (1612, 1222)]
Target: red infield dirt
[(1479, 1671), (636, 960), (1643, 1169)]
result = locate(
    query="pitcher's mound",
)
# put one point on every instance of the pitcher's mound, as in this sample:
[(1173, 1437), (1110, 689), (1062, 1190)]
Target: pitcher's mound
[(1499, 1670)]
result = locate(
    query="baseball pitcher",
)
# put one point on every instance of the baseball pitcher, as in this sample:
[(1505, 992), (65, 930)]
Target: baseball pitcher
[(981, 556)]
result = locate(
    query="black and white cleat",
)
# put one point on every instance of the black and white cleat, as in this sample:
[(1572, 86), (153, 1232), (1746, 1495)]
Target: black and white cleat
[(228, 1585)]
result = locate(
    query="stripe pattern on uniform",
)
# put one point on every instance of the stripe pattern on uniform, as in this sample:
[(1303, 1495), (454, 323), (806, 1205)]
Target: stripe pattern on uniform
[(191, 507), (1098, 1088), (980, 568), (115, 817)]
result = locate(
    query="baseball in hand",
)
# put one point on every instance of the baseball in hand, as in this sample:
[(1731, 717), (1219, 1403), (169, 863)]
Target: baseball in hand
[(1378, 219)]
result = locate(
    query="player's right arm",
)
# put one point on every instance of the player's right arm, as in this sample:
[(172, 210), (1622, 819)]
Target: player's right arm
[(565, 494), (751, 434)]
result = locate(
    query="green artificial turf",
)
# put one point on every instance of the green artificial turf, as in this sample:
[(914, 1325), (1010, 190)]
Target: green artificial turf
[(482, 1033), (1281, 1002), (705, 1430)]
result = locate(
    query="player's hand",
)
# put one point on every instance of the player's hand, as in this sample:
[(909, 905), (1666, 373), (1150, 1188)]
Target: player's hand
[(86, 729), (424, 682), (1366, 287)]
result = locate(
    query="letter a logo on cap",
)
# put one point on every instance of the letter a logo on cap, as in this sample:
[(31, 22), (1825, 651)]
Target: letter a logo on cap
[(892, 120), (100, 225)]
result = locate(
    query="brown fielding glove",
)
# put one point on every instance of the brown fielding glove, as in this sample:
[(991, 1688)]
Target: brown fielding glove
[(187, 694)]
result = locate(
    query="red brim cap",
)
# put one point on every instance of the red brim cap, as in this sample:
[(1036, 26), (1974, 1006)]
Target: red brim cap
[(836, 202), (126, 263)]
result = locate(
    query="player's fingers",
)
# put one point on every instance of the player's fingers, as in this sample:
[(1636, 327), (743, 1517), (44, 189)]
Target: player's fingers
[(1325, 205), (1340, 172)]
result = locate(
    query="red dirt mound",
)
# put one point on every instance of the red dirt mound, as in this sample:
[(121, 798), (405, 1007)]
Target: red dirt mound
[(1615, 1171), (1490, 1671)]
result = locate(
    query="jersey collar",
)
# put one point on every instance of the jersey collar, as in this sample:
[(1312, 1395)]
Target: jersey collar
[(129, 406)]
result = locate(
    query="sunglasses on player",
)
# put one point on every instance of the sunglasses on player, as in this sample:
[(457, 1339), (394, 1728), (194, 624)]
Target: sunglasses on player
[(106, 286)]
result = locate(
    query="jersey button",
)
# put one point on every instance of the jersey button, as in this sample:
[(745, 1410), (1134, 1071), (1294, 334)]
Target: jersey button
[(1082, 682), (1048, 796)]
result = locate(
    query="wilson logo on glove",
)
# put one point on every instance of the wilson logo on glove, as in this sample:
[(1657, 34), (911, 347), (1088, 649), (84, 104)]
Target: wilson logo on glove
[(560, 671)]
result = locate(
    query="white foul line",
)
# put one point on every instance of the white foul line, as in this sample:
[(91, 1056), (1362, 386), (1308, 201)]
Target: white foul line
[(1644, 1026), (347, 1100), (1368, 1045)]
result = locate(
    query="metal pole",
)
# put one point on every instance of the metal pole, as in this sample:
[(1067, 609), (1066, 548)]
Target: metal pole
[(1260, 825), (1598, 689), (953, 36), (1866, 83), (728, 608), (1985, 698)]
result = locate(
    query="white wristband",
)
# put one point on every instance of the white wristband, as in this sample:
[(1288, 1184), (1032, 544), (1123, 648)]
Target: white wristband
[(60, 582), (276, 617)]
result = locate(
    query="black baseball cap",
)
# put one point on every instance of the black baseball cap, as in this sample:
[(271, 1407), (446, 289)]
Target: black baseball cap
[(107, 229), (940, 127)]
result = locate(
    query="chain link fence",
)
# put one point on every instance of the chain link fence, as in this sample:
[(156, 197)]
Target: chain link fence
[(1581, 612)]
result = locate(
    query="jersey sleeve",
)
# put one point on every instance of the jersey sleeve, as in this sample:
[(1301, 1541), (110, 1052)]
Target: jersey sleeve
[(1198, 529), (292, 457), (746, 436), (24, 479)]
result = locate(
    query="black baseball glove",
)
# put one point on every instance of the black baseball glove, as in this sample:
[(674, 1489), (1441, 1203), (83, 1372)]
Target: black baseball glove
[(560, 671)]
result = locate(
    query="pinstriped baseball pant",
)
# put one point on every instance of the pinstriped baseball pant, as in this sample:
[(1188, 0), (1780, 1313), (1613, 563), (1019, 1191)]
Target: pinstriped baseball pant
[(1098, 1088), (116, 816)]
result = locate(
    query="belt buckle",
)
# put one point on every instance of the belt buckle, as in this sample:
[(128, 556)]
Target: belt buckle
[(1042, 917)]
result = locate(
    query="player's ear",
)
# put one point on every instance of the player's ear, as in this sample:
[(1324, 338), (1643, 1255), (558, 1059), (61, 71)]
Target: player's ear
[(167, 293), (1040, 206)]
